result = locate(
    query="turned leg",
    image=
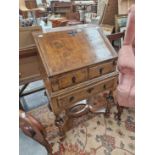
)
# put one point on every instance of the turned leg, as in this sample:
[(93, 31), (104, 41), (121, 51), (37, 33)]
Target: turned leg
[(107, 113), (109, 101), (119, 112), (61, 121), (59, 124)]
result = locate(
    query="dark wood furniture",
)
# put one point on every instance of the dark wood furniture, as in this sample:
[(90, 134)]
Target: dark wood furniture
[(76, 63), (28, 63), (116, 37)]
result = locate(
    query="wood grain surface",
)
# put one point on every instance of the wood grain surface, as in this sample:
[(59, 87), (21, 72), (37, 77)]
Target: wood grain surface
[(73, 49)]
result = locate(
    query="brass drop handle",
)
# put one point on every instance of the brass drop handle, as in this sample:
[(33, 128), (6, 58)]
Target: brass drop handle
[(114, 63), (90, 90), (104, 87), (101, 71), (71, 98), (73, 79)]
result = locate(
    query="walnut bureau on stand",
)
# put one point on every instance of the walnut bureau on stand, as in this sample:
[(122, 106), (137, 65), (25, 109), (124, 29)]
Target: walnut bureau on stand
[(76, 63)]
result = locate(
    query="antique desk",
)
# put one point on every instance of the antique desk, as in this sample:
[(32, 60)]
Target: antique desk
[(75, 63)]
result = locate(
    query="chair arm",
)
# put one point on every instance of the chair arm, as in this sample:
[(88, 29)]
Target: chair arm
[(126, 58), (31, 123)]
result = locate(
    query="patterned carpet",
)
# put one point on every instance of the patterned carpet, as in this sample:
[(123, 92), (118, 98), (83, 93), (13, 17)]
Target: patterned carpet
[(100, 136), (93, 134)]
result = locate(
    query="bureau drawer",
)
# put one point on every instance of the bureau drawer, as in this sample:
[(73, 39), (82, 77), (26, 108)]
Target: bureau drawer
[(102, 69), (70, 79), (67, 100)]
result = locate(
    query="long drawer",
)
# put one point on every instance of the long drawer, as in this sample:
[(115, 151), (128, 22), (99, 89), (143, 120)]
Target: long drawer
[(69, 99)]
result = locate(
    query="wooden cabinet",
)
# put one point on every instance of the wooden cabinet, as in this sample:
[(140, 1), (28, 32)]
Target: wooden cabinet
[(28, 59), (61, 7)]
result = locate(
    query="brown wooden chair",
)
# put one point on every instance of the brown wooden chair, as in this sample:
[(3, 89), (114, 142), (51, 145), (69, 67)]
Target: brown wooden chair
[(39, 125), (114, 37)]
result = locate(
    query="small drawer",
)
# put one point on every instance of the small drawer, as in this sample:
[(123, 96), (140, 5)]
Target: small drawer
[(72, 78), (102, 69), (67, 100)]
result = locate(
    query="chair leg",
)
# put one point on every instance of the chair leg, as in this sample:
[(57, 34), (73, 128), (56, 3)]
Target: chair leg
[(110, 101), (119, 112)]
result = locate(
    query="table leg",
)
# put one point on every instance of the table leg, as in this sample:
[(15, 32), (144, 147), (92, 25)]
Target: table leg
[(119, 112), (109, 100), (61, 122)]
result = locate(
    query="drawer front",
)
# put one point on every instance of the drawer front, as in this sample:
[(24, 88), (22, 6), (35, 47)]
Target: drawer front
[(65, 101), (72, 78), (102, 69)]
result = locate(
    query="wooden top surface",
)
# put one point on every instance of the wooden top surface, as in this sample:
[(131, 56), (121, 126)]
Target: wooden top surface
[(74, 48)]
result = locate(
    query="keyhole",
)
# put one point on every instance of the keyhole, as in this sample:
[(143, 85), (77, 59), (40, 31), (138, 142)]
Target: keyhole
[(101, 70), (71, 98), (74, 79), (104, 86), (90, 90)]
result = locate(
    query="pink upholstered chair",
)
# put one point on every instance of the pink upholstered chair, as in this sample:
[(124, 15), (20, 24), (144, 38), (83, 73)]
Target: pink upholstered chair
[(126, 65)]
